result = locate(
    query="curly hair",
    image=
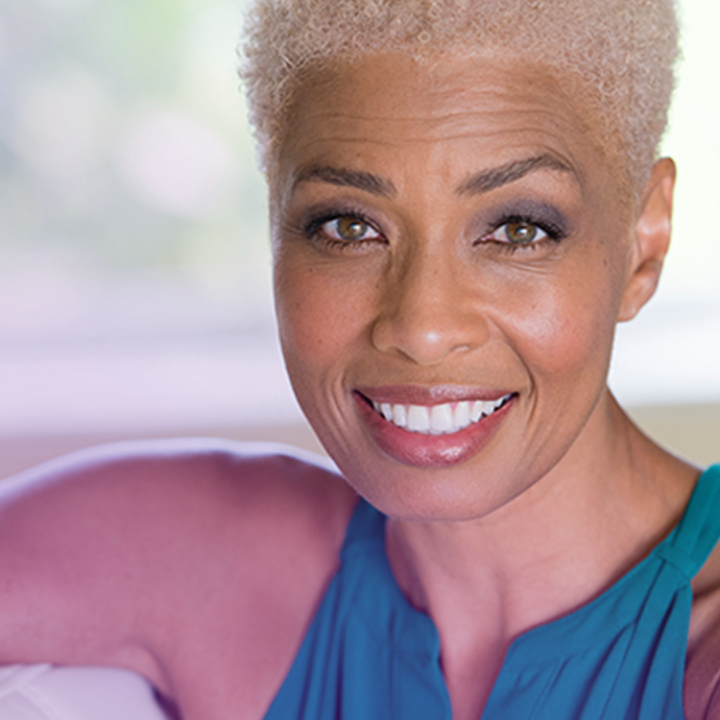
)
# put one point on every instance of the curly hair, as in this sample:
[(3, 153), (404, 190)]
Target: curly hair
[(621, 53)]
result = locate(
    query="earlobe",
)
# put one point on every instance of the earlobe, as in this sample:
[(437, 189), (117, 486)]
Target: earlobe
[(652, 239)]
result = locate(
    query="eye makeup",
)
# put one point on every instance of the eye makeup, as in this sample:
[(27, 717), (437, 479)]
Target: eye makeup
[(546, 225), (312, 227), (542, 216)]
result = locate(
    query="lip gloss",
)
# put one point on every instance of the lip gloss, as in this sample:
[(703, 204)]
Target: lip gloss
[(425, 450)]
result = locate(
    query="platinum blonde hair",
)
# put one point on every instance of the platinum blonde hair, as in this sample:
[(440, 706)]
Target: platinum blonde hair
[(621, 54)]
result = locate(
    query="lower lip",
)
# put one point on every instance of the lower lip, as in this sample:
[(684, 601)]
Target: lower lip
[(431, 451)]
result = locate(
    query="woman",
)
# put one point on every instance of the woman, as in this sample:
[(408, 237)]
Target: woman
[(465, 200)]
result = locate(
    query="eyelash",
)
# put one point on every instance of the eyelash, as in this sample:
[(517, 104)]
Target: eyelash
[(553, 233), (312, 228)]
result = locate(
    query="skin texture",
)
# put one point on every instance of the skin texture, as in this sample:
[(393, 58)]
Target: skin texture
[(421, 302), (203, 542), (626, 49), (445, 311), (172, 560)]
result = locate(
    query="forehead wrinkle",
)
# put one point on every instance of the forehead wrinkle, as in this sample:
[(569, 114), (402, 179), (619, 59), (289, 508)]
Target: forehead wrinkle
[(448, 127)]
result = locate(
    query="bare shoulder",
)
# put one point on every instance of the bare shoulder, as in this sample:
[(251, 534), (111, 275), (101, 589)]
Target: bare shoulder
[(142, 491), (702, 675), (110, 556), (199, 467)]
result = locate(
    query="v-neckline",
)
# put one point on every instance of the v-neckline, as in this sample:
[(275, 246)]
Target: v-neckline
[(576, 626)]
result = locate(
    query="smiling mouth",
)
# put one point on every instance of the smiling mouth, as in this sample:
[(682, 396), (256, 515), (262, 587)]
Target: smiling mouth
[(443, 419)]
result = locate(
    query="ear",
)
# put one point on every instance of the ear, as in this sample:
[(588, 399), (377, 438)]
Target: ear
[(651, 240)]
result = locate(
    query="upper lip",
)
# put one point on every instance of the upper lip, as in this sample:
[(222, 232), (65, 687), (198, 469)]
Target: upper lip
[(435, 395)]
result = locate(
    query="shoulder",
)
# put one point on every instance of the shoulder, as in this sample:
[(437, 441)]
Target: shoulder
[(142, 492), (188, 533), (702, 676), (170, 479)]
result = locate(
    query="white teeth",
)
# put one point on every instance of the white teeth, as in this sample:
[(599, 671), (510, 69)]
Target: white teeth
[(400, 416), (462, 414), (438, 419), (441, 419), (477, 410), (418, 418)]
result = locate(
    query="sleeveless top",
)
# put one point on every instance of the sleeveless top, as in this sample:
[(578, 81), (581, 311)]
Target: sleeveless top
[(369, 655)]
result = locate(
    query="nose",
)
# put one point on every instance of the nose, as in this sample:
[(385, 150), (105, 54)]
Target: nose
[(429, 312)]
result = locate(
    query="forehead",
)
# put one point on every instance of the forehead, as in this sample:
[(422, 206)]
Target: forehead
[(441, 119)]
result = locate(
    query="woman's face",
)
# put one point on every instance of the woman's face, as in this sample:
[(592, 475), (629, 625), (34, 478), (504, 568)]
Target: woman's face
[(450, 261)]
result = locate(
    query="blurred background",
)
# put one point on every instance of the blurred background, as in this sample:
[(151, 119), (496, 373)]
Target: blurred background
[(135, 292)]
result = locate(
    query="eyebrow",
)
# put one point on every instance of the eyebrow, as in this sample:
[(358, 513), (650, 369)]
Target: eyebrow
[(488, 180), (481, 182), (344, 177)]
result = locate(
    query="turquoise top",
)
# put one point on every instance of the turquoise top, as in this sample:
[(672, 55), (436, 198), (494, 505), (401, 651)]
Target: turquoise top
[(369, 655)]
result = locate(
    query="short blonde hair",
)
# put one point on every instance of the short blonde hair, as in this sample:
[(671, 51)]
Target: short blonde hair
[(621, 52)]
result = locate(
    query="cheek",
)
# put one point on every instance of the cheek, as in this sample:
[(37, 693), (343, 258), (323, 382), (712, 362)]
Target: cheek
[(565, 329), (320, 317)]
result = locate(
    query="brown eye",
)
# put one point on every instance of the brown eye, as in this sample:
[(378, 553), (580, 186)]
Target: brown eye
[(517, 233), (349, 229), (520, 233)]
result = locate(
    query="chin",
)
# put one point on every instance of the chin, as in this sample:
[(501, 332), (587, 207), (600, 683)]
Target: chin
[(459, 492)]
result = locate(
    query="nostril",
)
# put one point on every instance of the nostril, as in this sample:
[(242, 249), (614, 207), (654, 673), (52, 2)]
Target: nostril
[(427, 340)]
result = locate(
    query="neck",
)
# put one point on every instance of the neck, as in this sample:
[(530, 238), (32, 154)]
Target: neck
[(550, 550)]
